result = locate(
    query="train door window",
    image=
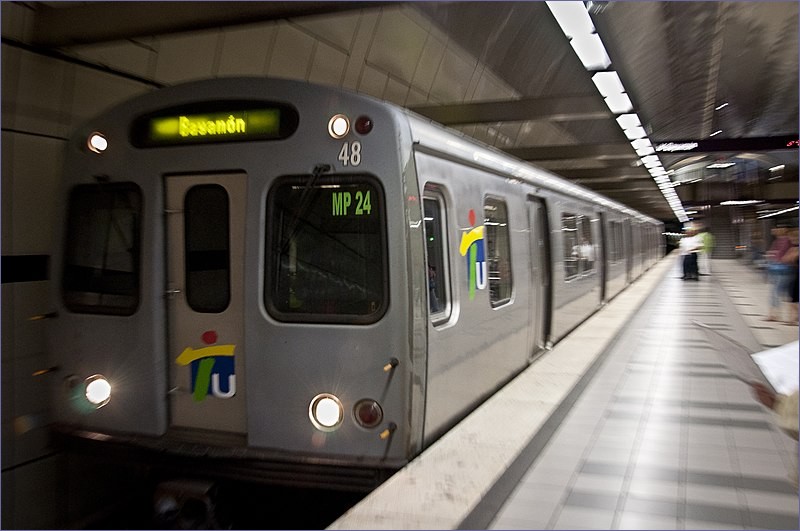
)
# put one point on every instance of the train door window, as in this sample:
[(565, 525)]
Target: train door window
[(326, 258), (569, 231), (586, 250), (498, 251), (101, 260), (436, 253), (207, 240)]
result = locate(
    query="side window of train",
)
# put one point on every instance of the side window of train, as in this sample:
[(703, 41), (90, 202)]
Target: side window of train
[(498, 251), (586, 250), (101, 257), (569, 231), (436, 253)]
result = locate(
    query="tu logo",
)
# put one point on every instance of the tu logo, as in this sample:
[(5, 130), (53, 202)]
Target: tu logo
[(474, 249)]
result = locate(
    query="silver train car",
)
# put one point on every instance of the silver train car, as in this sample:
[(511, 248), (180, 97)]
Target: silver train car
[(270, 280)]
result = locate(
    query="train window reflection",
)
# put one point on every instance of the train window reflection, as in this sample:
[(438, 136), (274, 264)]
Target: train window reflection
[(569, 231), (498, 251), (436, 254), (207, 241), (586, 250), (579, 249), (326, 253), (101, 261)]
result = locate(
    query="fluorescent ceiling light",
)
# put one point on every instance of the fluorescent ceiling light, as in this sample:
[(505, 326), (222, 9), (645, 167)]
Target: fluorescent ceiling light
[(635, 132), (778, 213), (590, 51), (715, 133), (642, 152), (717, 108), (619, 103), (743, 202), (572, 17), (628, 121), (776, 168), (608, 83), (720, 165), (641, 143), (650, 158)]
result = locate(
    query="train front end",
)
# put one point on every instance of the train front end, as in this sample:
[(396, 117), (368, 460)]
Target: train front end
[(236, 285)]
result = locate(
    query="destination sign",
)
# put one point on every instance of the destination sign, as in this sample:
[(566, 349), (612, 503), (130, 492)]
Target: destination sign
[(236, 123)]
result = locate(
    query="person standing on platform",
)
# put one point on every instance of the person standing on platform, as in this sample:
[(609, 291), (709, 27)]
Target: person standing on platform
[(777, 272), (689, 247), (704, 256), (790, 259)]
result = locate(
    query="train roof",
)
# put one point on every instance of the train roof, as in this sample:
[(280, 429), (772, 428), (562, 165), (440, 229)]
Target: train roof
[(433, 136), (449, 142)]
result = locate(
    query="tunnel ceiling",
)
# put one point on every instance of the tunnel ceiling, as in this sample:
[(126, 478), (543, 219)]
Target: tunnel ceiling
[(679, 62)]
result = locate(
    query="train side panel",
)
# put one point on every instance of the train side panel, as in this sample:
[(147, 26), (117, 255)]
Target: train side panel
[(479, 335), (615, 263)]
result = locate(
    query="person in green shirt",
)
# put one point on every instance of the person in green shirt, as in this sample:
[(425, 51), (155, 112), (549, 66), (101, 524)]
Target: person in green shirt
[(704, 258)]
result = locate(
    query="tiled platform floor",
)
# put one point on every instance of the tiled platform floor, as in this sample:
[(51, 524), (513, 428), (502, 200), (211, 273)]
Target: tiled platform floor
[(663, 437)]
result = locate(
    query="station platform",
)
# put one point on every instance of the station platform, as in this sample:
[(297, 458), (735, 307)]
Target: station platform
[(631, 422)]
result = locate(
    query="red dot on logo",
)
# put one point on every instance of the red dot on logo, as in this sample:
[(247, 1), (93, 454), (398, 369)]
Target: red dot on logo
[(471, 217), (209, 337)]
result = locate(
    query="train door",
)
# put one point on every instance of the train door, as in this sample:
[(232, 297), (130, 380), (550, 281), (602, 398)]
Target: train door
[(540, 273), (205, 294)]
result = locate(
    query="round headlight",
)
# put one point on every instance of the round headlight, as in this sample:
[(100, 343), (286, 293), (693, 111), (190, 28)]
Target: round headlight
[(339, 126), (97, 142), (326, 412), (98, 390)]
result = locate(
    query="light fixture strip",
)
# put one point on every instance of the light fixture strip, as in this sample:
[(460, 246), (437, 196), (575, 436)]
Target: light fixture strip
[(577, 25)]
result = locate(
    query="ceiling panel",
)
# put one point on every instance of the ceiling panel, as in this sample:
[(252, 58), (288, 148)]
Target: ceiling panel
[(679, 62)]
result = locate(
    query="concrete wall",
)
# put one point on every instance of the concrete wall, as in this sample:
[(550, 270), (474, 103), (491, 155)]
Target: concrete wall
[(44, 98)]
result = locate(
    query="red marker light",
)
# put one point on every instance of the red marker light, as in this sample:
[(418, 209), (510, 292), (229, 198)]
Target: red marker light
[(209, 337), (368, 413), (363, 125)]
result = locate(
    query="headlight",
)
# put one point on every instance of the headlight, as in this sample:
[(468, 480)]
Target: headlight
[(97, 142), (97, 390), (339, 126), (326, 412)]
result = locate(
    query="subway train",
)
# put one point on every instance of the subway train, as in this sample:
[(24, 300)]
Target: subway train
[(275, 281)]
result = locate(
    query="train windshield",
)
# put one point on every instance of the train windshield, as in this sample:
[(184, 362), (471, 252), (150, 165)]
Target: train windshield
[(101, 261), (326, 250)]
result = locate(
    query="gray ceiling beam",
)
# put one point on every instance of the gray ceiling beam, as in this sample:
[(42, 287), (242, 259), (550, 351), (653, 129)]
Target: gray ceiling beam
[(603, 173), (625, 186), (66, 26), (554, 109), (585, 151)]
